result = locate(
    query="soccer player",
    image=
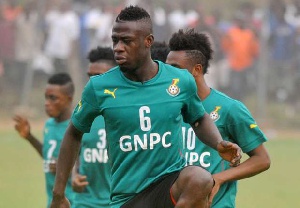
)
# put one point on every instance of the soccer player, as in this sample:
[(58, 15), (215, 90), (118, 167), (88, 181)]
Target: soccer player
[(58, 106), (191, 50), (143, 103), (92, 182), (159, 51)]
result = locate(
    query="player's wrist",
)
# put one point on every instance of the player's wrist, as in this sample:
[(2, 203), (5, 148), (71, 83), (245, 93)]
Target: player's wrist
[(219, 145), (29, 137), (57, 195)]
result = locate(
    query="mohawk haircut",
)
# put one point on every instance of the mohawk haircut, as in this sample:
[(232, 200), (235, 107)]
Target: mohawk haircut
[(135, 13), (63, 79), (196, 45), (101, 54), (159, 51)]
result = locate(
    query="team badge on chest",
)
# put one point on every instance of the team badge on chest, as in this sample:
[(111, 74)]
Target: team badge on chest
[(214, 115), (173, 89)]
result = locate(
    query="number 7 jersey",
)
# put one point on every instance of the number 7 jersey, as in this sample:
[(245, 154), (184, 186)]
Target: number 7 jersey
[(143, 124), (53, 136)]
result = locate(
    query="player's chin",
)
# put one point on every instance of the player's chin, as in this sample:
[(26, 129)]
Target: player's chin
[(50, 113)]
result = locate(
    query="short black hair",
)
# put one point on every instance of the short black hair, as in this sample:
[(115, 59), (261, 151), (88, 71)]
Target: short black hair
[(135, 13), (63, 79), (159, 51), (196, 45), (101, 54)]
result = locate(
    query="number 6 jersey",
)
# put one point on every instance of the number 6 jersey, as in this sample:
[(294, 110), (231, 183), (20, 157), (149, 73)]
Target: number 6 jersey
[(143, 124)]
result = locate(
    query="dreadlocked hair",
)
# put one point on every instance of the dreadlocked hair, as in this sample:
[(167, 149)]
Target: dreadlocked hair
[(196, 45)]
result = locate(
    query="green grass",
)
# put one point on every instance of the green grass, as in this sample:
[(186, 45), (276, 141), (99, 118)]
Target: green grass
[(22, 180), (21, 176), (280, 185)]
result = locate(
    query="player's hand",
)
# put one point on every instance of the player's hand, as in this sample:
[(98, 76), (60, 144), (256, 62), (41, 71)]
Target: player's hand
[(22, 126), (52, 166), (230, 151), (214, 190), (79, 183), (58, 202)]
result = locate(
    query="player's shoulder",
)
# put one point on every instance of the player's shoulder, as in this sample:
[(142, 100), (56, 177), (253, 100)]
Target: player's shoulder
[(51, 122), (111, 76), (173, 69), (229, 101), (110, 73), (183, 75)]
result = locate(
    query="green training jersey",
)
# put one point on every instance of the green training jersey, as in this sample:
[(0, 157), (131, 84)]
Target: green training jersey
[(53, 136), (94, 165), (235, 124), (143, 124)]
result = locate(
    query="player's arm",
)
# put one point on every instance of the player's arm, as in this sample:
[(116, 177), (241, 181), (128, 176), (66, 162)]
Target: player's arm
[(206, 130), (257, 162), (79, 181), (68, 153), (22, 126)]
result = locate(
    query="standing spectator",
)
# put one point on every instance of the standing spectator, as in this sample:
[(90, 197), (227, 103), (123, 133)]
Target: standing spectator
[(27, 43), (177, 18), (160, 24), (63, 32), (92, 22), (11, 10), (7, 48), (103, 32), (214, 34), (282, 53), (241, 48)]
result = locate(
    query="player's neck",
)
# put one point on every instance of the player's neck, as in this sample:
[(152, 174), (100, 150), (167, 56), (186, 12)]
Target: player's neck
[(63, 116), (144, 73), (203, 89)]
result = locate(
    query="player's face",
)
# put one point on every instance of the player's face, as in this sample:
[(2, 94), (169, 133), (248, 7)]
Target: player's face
[(129, 44), (57, 102), (179, 60), (98, 68)]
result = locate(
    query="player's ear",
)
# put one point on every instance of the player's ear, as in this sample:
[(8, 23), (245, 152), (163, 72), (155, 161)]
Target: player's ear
[(197, 70), (149, 40)]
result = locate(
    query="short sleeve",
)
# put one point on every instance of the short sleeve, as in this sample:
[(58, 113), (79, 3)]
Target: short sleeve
[(193, 108), (86, 110), (243, 129)]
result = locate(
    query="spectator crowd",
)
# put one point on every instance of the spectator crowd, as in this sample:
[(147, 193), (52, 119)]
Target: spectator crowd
[(55, 36)]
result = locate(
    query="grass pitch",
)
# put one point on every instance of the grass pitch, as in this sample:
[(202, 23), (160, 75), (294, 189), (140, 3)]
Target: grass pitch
[(22, 179)]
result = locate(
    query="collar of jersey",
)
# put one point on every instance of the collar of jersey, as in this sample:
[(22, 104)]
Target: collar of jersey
[(148, 82)]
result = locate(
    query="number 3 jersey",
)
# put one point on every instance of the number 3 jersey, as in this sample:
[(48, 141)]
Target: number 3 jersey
[(235, 124), (53, 136), (93, 163), (143, 124)]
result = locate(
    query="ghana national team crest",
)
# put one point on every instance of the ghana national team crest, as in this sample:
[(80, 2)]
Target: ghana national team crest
[(173, 89), (214, 115)]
